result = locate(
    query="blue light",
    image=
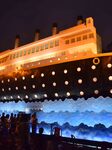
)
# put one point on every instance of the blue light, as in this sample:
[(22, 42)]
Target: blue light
[(69, 114)]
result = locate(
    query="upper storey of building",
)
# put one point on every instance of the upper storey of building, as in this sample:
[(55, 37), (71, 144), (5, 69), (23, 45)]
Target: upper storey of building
[(75, 43)]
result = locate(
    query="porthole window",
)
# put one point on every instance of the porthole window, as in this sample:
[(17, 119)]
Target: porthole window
[(8, 80), (95, 79), (43, 85), (42, 74), (65, 71), (18, 96), (68, 93), (3, 90), (96, 61), (80, 81), (56, 94), (66, 82), (23, 78), (96, 91), (32, 76), (45, 95), (15, 79), (16, 88), (9, 89), (35, 96), (26, 96), (53, 73), (81, 93), (111, 91), (93, 67), (33, 86), (110, 78), (79, 69), (54, 83), (11, 97), (24, 87), (109, 65), (2, 81)]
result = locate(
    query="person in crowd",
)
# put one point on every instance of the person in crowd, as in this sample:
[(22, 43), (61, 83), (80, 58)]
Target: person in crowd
[(34, 122)]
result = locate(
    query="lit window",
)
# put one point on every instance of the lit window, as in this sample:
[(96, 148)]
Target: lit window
[(24, 87), (11, 97), (110, 78), (67, 42), (15, 79), (96, 91), (93, 67), (65, 71), (8, 80), (58, 58), (54, 83), (111, 91), (81, 93), (9, 89), (50, 60), (38, 63), (84, 37), (66, 58), (35, 96), (26, 96), (4, 97), (78, 69), (33, 86), (18, 96), (94, 79), (42, 74), (56, 42), (32, 76), (53, 73), (2, 81), (91, 35), (80, 81), (23, 78), (66, 82), (109, 65), (68, 93), (72, 40), (43, 85), (16, 88), (3, 89), (78, 38), (45, 95), (56, 94)]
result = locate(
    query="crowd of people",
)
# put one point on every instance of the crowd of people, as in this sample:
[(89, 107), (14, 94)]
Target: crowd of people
[(15, 130), (15, 133)]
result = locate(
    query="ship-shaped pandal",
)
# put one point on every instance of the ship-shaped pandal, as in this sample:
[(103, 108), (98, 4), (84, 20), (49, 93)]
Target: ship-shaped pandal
[(68, 64)]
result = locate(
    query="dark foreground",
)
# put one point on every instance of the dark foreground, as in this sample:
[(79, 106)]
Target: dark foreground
[(50, 142)]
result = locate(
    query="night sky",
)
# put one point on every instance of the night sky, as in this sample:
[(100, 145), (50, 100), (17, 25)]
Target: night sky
[(23, 17)]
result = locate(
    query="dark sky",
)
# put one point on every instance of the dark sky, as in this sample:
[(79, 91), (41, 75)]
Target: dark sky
[(23, 17)]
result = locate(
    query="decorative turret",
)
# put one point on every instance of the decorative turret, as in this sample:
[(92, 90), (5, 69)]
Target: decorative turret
[(17, 41), (37, 35), (54, 29)]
